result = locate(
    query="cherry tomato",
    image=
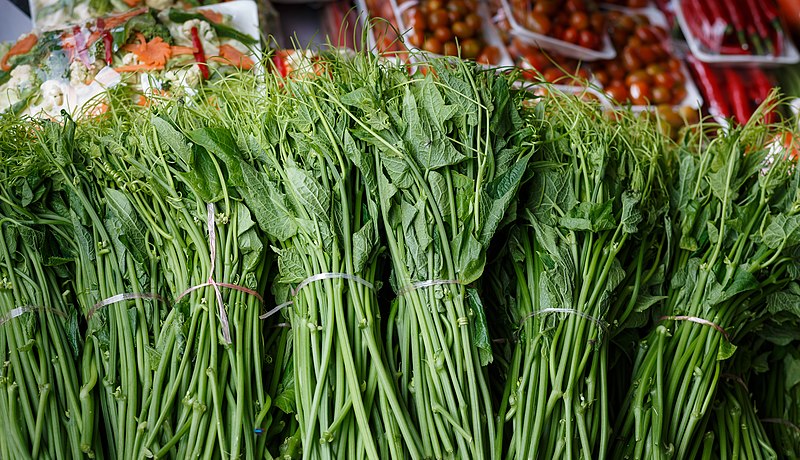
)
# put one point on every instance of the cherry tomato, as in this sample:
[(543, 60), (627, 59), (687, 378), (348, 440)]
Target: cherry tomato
[(653, 69), (417, 38), (418, 20), (473, 21), (648, 34), (626, 23), (674, 64), (602, 77), (450, 49), (638, 76), (537, 23), (571, 35), (443, 34), (579, 20), (598, 22), (458, 6), (462, 30), (664, 79), (547, 7), (588, 39), (432, 45), (646, 54), (537, 60), (470, 48), (434, 5), (615, 70), (640, 93), (617, 92), (678, 94), (575, 5), (630, 59), (661, 95), (553, 74), (489, 55), (438, 18)]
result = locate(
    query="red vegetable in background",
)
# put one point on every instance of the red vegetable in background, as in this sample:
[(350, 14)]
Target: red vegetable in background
[(739, 97), (710, 85), (199, 54)]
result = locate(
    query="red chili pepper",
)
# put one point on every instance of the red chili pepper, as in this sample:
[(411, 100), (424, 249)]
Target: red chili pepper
[(199, 55), (770, 11), (280, 65), (108, 40), (738, 95), (707, 22), (760, 23), (737, 21), (761, 88), (710, 85)]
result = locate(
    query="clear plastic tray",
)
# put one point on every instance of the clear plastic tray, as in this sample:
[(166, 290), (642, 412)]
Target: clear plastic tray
[(694, 98), (553, 44), (789, 54), (488, 30)]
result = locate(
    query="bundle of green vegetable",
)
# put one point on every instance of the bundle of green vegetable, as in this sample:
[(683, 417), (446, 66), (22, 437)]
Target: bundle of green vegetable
[(294, 166), (778, 392), (41, 405), (736, 431), (444, 155), (586, 255), (735, 209)]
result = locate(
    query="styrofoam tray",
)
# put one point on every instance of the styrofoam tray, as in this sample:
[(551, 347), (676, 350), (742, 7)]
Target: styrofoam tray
[(488, 30), (553, 44), (789, 54)]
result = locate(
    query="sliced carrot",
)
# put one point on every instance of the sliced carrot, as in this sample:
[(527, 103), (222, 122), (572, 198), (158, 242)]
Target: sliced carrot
[(180, 50), (132, 3), (22, 46), (212, 16), (230, 55), (154, 53), (114, 21)]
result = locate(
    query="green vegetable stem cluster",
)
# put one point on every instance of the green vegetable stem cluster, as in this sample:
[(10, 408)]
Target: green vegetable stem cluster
[(369, 260)]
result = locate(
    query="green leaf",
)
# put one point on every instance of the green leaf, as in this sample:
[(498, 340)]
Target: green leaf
[(365, 240), (782, 230), (644, 302), (310, 194), (220, 142), (592, 217), (786, 301), (250, 244), (270, 207), (631, 215), (285, 400), (743, 281), (170, 136), (131, 231), (726, 350), (203, 177), (480, 329), (290, 265), (469, 257), (496, 198)]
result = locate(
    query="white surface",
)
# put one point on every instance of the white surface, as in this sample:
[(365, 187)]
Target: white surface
[(13, 22)]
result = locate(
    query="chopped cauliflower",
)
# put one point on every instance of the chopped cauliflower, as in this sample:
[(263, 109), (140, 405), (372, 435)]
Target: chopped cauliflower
[(79, 74), (130, 59), (52, 96), (159, 4), (22, 78), (185, 77)]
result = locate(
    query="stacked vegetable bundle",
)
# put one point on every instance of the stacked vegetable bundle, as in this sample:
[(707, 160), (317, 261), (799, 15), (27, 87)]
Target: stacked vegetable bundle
[(143, 244)]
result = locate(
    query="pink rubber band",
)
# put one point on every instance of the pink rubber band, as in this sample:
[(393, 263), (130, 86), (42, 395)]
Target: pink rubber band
[(697, 320)]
